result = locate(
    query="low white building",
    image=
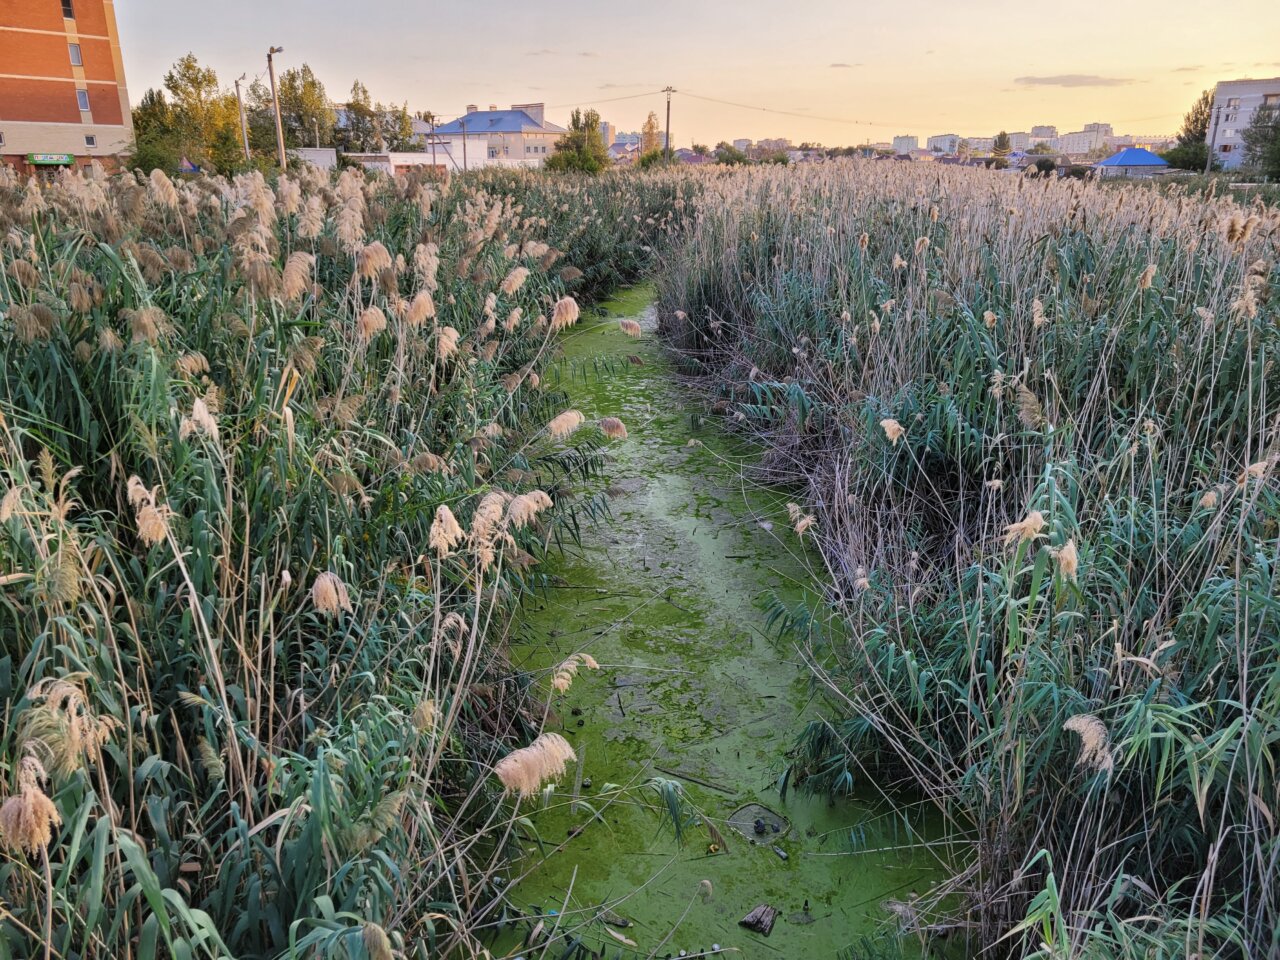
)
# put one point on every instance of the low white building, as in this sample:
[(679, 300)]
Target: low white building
[(948, 143), (1234, 104), (1020, 141), (903, 145), (1081, 143)]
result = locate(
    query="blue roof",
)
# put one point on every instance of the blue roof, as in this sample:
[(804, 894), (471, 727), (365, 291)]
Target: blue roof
[(1133, 157), (497, 121)]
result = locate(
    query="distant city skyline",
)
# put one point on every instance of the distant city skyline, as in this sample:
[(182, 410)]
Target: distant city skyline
[(918, 68)]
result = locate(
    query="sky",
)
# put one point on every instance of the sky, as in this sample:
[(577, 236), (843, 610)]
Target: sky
[(829, 71)]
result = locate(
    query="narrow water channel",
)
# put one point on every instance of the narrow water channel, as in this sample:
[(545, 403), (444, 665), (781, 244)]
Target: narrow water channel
[(668, 595)]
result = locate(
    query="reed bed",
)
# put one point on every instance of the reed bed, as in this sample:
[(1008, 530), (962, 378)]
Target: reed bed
[(275, 468), (1035, 426)]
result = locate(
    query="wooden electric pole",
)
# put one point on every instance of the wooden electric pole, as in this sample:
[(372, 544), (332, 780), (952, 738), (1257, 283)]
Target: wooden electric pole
[(668, 91), (275, 103)]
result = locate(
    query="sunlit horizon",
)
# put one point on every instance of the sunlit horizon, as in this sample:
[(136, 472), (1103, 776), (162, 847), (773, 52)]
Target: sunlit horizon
[(823, 72)]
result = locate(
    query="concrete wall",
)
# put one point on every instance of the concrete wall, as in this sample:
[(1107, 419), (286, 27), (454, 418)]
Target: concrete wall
[(1234, 104)]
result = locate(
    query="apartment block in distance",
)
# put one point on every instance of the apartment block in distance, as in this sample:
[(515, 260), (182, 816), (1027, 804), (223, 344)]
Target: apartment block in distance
[(1234, 104), (63, 99)]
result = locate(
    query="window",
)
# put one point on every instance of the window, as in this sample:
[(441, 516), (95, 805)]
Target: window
[(1229, 132), (1271, 99), (82, 100), (1233, 103), (76, 60), (90, 140), (1, 139), (1225, 148), (68, 10)]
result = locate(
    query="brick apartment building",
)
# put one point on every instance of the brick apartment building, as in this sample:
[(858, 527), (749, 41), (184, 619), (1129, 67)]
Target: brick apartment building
[(63, 99)]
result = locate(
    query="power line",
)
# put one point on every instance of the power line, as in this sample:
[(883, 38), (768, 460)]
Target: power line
[(788, 113)]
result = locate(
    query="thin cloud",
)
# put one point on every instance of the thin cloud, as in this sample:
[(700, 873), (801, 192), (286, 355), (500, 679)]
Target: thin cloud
[(1073, 80), (1195, 69), (544, 52), (587, 53), (844, 66)]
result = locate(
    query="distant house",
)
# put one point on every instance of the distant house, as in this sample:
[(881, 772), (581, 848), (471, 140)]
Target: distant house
[(1131, 162), (520, 136), (623, 151)]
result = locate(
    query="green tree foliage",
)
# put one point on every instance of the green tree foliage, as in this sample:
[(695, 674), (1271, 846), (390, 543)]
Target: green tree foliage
[(1002, 146), (1195, 122), (582, 147), (304, 108), (359, 132), (726, 152), (197, 119), (1262, 141), (1192, 149), (1042, 149)]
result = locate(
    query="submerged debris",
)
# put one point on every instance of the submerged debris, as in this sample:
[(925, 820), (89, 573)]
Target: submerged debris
[(760, 919)]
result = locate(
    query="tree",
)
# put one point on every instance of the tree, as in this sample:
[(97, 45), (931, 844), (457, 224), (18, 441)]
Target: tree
[(1042, 149), (304, 108), (702, 150), (656, 157), (395, 128), (650, 138), (197, 120), (1195, 123), (1192, 149), (581, 148), (1001, 147), (359, 132), (728, 153), (1262, 141)]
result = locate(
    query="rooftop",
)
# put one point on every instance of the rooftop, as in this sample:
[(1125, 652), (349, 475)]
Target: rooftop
[(497, 121)]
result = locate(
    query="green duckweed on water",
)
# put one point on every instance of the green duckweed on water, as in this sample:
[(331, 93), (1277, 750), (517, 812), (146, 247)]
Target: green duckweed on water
[(668, 595)]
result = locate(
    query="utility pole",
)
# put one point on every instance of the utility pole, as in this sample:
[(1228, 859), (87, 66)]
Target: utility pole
[(668, 91), (315, 123), (431, 120), (1213, 136), (464, 144), (275, 102), (244, 124)]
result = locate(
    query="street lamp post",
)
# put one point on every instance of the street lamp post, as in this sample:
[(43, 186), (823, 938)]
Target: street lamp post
[(275, 101)]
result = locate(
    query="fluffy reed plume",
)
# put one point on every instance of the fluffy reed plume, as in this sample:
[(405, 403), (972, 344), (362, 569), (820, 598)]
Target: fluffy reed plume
[(426, 265), (922, 244), (562, 679), (1026, 530), (989, 319), (329, 595), (200, 423), (613, 428), (376, 942), (630, 327), (893, 430), (371, 323), (513, 319), (296, 279), (421, 309), (1209, 500), (10, 503), (60, 728), (424, 716), (1095, 742), (162, 191), (1255, 471), (514, 280), (148, 324), (861, 581), (311, 219), (564, 424), (192, 365), (371, 260), (565, 314), (446, 533), (803, 525), (27, 817), (446, 342), (1038, 319), (1068, 560), (524, 509), (1148, 275), (1030, 412), (525, 770), (487, 528)]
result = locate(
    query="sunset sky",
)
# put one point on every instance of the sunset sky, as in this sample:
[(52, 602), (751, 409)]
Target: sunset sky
[(837, 72)]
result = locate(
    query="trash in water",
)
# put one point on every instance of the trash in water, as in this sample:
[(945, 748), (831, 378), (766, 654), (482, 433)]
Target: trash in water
[(756, 820), (760, 919)]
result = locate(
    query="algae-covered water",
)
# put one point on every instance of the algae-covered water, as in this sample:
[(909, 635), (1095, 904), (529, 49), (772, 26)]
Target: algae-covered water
[(668, 595)]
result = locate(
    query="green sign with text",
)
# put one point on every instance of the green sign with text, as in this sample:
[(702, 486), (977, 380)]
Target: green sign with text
[(50, 159)]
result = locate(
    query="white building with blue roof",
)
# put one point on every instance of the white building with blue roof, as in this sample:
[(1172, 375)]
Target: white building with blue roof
[(520, 136)]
